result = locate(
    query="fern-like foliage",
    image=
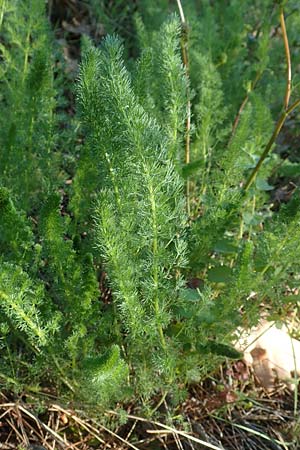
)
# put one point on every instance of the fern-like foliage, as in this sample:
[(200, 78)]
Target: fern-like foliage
[(16, 236), (21, 302), (140, 210), (164, 96), (117, 285), (102, 376), (27, 102), (72, 280), (169, 86), (134, 128)]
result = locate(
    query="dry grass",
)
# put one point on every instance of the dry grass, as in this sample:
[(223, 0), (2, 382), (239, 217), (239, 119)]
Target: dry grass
[(227, 413)]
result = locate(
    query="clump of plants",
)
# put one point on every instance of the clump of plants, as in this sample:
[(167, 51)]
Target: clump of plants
[(168, 201)]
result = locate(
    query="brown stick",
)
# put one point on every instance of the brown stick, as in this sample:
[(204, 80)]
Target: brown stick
[(287, 109), (242, 107), (185, 57), (288, 61), (259, 74), (181, 13), (273, 138)]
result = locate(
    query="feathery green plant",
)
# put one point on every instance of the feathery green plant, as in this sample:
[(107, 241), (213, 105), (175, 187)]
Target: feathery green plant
[(140, 212), (27, 161), (170, 200)]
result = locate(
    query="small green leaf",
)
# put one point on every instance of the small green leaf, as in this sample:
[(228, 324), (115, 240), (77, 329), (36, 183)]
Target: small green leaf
[(291, 298), (219, 349), (190, 169), (186, 313), (251, 219), (224, 350), (226, 247), (263, 185), (219, 274), (191, 295), (289, 169)]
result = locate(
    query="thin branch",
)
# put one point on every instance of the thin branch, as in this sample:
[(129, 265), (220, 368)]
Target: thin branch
[(185, 57), (181, 13), (293, 106), (243, 105), (287, 109), (272, 140), (259, 74), (288, 61), (86, 426), (167, 428), (275, 29), (56, 436)]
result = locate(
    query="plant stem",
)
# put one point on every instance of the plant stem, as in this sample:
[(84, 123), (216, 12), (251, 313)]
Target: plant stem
[(163, 398), (259, 74), (272, 140), (61, 371), (287, 109), (243, 105), (185, 57), (3, 6), (155, 251), (181, 13), (288, 60), (26, 55), (113, 180)]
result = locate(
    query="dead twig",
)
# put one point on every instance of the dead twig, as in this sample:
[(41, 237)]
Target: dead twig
[(80, 422), (185, 57), (243, 105), (165, 428), (287, 110), (288, 60)]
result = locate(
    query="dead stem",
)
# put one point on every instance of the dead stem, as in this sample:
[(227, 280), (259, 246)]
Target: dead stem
[(287, 109), (272, 140), (86, 426), (259, 74), (56, 436), (185, 57), (243, 105), (165, 428), (288, 60)]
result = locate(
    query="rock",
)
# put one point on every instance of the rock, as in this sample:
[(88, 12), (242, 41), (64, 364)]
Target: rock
[(272, 354)]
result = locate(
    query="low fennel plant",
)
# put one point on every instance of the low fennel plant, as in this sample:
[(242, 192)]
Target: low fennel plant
[(169, 201)]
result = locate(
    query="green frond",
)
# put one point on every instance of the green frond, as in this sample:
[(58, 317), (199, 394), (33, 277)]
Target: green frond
[(138, 222), (104, 377), (16, 236), (27, 103), (173, 84), (107, 286), (20, 301)]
